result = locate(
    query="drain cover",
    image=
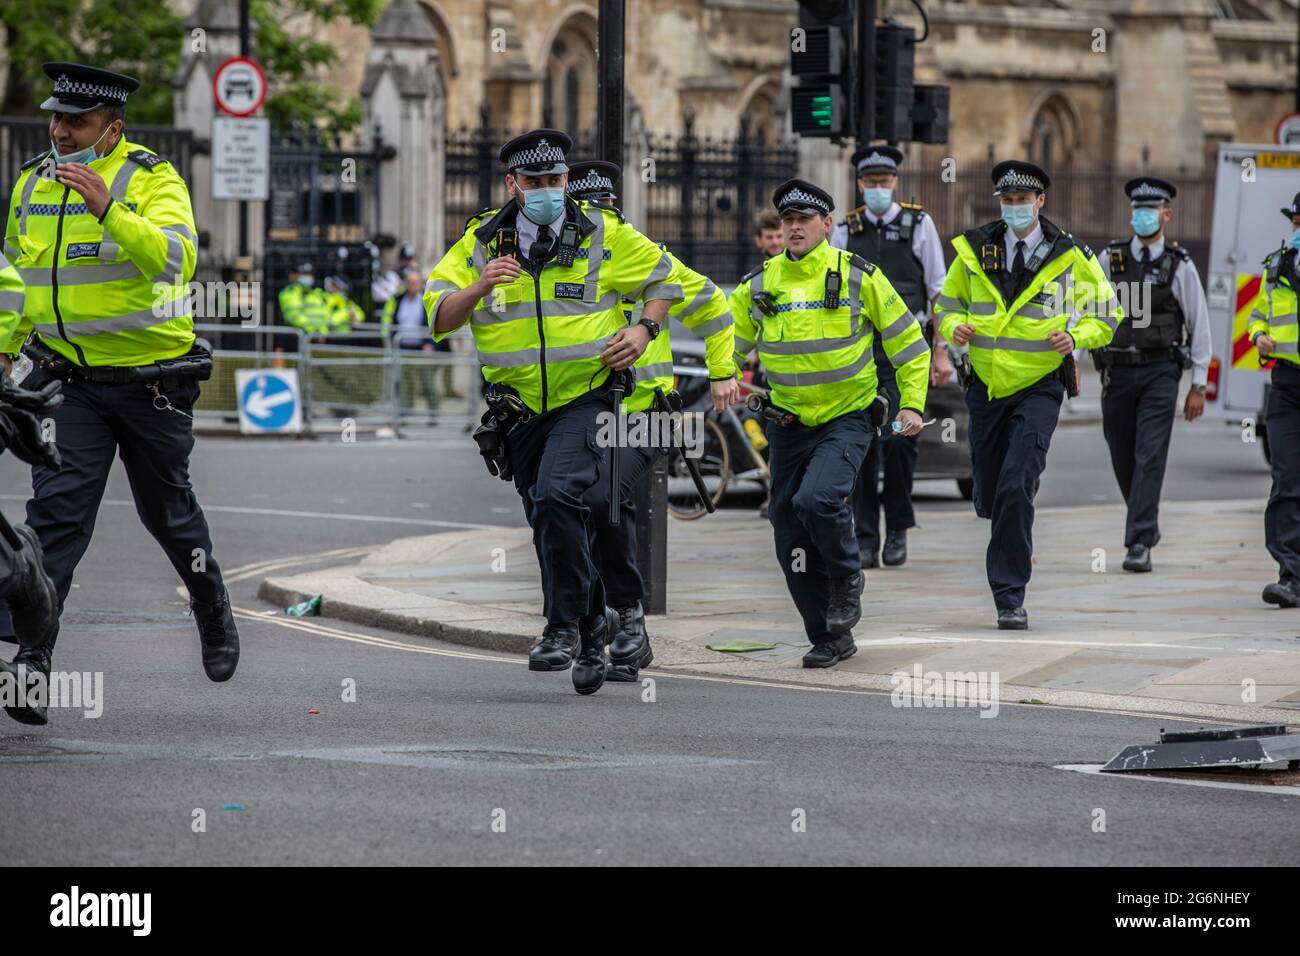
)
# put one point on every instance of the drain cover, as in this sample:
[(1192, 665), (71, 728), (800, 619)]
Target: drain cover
[(1256, 747)]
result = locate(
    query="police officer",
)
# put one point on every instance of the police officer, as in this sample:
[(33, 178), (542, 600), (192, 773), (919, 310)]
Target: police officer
[(901, 240), (1142, 366), (1272, 329), (105, 236), (811, 313), (540, 281), (703, 309), (1008, 298), (303, 304)]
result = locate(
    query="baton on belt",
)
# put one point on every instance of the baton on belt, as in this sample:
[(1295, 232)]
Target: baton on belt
[(617, 387), (673, 403)]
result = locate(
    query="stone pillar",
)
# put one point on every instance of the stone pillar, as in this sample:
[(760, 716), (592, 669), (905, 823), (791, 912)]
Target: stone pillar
[(824, 164), (632, 200), (211, 37), (403, 104)]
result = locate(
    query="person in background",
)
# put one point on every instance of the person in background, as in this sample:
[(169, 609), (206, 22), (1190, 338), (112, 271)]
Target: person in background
[(411, 334), (767, 234)]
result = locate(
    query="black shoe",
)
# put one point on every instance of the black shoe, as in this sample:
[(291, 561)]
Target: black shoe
[(218, 638), (628, 673), (871, 560), (830, 653), (895, 552), (554, 652), (29, 594), (845, 607), (630, 637), (27, 665), (590, 668), (1138, 558), (1013, 619), (1285, 593)]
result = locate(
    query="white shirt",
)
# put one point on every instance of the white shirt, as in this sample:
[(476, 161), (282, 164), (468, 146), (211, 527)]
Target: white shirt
[(1031, 243), (528, 232), (411, 320), (925, 245), (1187, 290)]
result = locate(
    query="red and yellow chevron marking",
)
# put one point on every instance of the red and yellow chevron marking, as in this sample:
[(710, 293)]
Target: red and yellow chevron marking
[(1245, 355)]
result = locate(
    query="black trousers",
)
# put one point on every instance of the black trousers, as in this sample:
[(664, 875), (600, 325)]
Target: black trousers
[(814, 471), (94, 424), (896, 454), (1282, 515), (613, 548), (1138, 407), (556, 459), (1009, 439)]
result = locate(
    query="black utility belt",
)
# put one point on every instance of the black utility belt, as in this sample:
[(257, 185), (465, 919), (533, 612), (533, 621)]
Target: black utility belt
[(1107, 358), (195, 364)]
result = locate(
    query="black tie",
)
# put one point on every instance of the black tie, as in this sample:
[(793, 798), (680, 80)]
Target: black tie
[(1144, 263), (1018, 266), (544, 245)]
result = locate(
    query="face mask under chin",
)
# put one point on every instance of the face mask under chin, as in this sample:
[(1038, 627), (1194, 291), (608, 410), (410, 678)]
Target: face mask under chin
[(86, 155)]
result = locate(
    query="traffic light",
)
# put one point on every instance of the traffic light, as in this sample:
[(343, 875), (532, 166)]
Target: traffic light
[(820, 57), (894, 67)]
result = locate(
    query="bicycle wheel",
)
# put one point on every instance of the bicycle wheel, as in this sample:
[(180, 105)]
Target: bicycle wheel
[(715, 468)]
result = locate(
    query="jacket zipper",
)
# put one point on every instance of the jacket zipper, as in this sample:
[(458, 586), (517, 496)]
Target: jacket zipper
[(54, 278), (541, 332)]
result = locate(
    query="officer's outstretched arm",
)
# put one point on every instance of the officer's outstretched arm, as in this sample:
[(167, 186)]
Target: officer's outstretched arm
[(745, 330), (952, 308), (159, 236), (11, 299), (450, 281), (1095, 302), (901, 335), (705, 312), (639, 269)]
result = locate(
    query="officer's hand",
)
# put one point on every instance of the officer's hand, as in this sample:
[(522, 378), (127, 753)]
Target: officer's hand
[(626, 347), (499, 271), (1062, 341), (910, 421), (1194, 406), (1265, 344), (940, 367), (87, 183), (725, 394), (963, 334)]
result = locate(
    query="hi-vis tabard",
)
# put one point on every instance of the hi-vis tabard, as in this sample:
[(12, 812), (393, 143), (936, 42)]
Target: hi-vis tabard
[(542, 334), (812, 321), (1274, 311), (704, 310), (1067, 290), (111, 293)]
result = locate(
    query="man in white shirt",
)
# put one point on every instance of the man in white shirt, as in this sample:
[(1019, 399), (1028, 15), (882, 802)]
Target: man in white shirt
[(1166, 329)]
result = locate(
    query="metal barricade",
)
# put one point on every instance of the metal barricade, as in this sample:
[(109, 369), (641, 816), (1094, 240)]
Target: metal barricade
[(218, 404)]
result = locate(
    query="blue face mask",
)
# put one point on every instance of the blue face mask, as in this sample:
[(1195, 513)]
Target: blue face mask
[(1146, 222), (86, 155), (1294, 241), (544, 206), (1018, 217), (878, 200), (306, 281)]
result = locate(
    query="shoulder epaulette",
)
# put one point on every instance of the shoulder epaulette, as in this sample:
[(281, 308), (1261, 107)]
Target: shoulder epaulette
[(861, 263), (913, 206), (34, 160), (1179, 251), (1117, 244), (149, 161), (749, 275), (608, 207)]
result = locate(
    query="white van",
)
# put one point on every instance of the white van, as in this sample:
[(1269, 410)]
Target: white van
[(1252, 182)]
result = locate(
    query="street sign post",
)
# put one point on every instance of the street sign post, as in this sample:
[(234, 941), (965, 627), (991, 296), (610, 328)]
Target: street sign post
[(269, 401)]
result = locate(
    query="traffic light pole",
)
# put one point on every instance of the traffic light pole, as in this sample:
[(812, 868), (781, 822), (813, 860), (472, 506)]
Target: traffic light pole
[(866, 66)]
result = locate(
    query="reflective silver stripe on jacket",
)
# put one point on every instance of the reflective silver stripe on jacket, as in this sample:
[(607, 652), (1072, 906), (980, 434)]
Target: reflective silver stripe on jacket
[(826, 377), (1282, 318), (1011, 345), (953, 304), (700, 300), (595, 255), (171, 273), (813, 346), (653, 370), (11, 301), (144, 319), (521, 358), (557, 307), (855, 295), (919, 347), (39, 278), (26, 202), (713, 326), (657, 275)]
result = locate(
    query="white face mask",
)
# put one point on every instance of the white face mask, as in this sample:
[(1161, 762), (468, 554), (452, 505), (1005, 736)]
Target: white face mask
[(86, 155)]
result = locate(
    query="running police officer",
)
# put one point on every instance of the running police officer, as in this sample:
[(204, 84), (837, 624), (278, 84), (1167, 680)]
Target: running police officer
[(1142, 366), (104, 236), (1272, 329), (541, 281), (901, 240), (1008, 298), (811, 313)]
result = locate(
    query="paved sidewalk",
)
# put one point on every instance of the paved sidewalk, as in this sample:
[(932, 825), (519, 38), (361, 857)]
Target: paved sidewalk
[(1180, 640)]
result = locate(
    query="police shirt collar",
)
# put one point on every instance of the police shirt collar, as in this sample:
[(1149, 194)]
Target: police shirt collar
[(810, 256), (889, 216), (1157, 248)]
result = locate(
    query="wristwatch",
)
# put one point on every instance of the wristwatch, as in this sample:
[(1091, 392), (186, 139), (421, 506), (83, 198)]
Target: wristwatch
[(1201, 388), (651, 327)]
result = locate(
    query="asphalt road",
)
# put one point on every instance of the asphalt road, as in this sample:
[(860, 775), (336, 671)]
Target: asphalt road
[(442, 743)]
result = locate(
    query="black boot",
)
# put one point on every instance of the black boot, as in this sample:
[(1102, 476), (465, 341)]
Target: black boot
[(590, 667), (554, 652), (218, 637), (1138, 558), (1285, 593), (845, 607), (895, 552), (31, 669), (829, 653), (29, 593), (630, 650)]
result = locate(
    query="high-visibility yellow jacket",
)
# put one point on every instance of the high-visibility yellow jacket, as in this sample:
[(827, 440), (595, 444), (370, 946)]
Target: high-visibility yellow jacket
[(705, 311), (542, 334), (819, 360), (110, 293), (306, 308), (1274, 309), (342, 313), (1069, 292), (11, 299)]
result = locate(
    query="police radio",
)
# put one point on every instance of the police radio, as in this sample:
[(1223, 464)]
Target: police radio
[(831, 295), (569, 240)]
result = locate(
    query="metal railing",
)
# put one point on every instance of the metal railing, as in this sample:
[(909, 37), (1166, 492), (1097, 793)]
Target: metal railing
[(344, 378)]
